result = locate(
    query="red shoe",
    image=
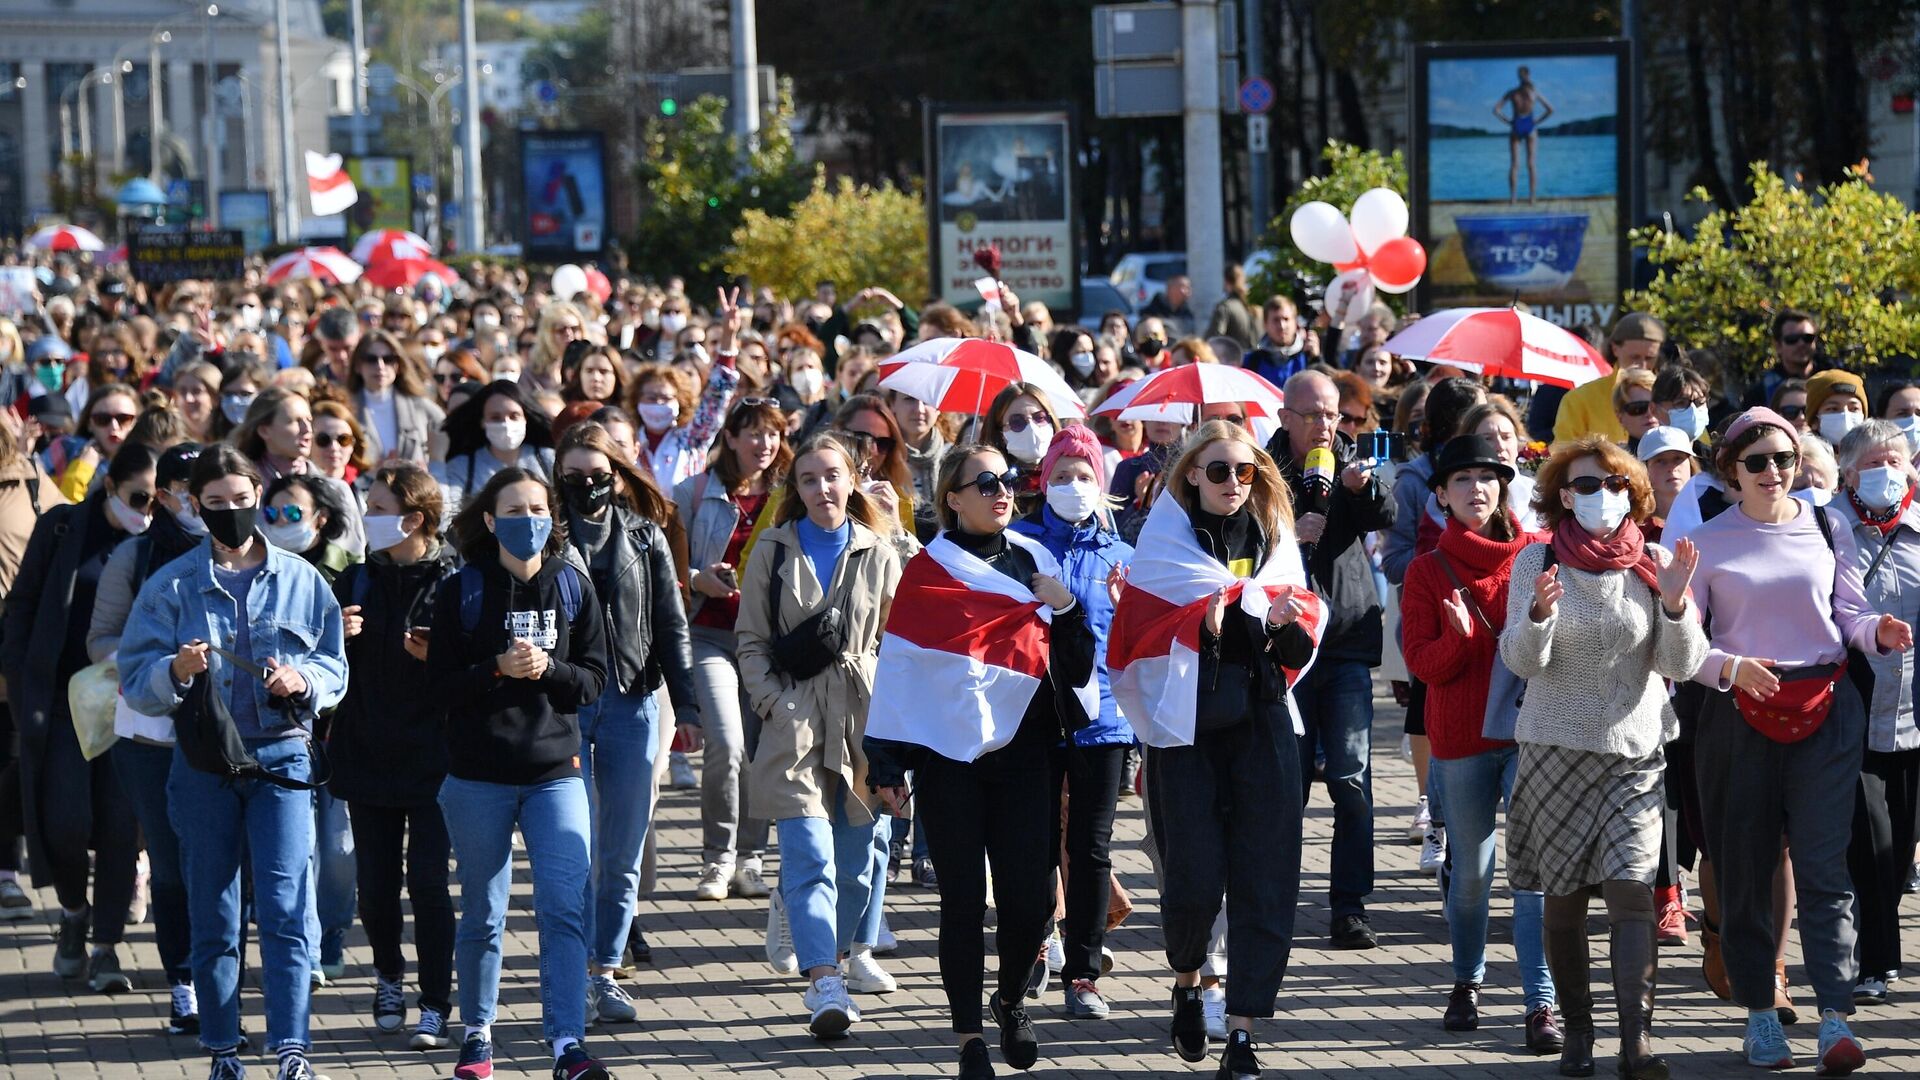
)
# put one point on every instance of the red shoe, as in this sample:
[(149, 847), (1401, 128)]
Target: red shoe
[(1673, 916)]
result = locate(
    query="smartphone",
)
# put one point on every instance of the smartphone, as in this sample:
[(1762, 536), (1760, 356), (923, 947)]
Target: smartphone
[(728, 578)]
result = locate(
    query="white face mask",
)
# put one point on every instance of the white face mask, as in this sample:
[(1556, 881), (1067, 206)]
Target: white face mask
[(673, 322), (1691, 419), (433, 352), (190, 521), (1074, 501), (507, 375), (385, 531), (1835, 425), (1911, 426), (294, 536), (1029, 445), (1082, 363), (1814, 496), (1881, 487), (128, 519), (1602, 512), (488, 321), (807, 382), (506, 435), (659, 417), (250, 316)]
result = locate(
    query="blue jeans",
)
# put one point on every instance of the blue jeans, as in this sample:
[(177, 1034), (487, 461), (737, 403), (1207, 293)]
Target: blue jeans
[(1335, 699), (619, 744), (142, 769), (554, 819), (334, 875), (1473, 788), (218, 821), (826, 880), (867, 932)]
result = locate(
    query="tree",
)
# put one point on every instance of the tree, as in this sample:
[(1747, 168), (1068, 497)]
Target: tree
[(1351, 171), (1845, 252), (850, 233)]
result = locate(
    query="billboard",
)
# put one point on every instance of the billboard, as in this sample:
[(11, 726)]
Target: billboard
[(1522, 176), (1003, 178), (386, 195), (564, 190), (251, 212), (162, 256)]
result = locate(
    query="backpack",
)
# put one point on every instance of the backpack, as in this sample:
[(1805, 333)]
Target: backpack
[(473, 590)]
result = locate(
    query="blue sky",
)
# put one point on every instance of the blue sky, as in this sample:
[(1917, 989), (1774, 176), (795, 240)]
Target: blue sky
[(1463, 92)]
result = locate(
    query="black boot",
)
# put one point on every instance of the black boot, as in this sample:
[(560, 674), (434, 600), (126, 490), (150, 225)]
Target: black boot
[(1634, 957), (1189, 1024), (1571, 966)]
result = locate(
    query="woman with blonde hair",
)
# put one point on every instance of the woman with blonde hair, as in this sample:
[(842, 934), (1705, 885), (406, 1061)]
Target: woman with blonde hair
[(561, 322), (196, 394)]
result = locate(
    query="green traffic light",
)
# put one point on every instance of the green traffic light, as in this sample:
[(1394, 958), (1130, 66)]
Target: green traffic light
[(713, 202), (668, 106)]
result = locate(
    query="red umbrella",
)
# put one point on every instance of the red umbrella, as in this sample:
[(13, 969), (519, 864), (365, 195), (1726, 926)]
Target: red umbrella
[(388, 243), (65, 238), (405, 273), (1174, 393), (1501, 341), (328, 264), (963, 374)]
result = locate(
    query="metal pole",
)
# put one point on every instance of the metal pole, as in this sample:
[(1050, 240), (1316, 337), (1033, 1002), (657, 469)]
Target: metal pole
[(472, 221), (154, 169), (359, 80), (746, 65), (1637, 198), (119, 128), (86, 120), (1259, 182), (1200, 91), (289, 210), (210, 122)]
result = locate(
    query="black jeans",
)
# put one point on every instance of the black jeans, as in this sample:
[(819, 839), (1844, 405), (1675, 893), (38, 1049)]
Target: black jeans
[(82, 808), (12, 821), (379, 833), (994, 809), (1092, 775), (1882, 852), (1226, 817)]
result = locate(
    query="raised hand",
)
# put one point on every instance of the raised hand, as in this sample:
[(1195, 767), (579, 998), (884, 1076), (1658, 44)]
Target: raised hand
[(1677, 574), (1547, 591)]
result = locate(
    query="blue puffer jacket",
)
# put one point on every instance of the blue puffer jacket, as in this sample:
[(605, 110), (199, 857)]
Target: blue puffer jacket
[(1087, 554)]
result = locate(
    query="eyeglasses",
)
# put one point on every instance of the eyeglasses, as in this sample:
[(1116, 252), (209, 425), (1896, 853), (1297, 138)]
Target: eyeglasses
[(754, 403), (118, 420), (991, 484), (1784, 460), (1348, 419), (384, 359), (569, 329), (1636, 408), (1799, 339), (1020, 421), (327, 440), (1243, 472), (1791, 412), (1317, 417), (1682, 403), (292, 515), (1591, 485), (447, 378)]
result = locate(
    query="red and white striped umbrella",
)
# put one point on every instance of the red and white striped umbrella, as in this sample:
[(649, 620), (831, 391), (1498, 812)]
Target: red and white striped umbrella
[(963, 374), (1501, 341), (65, 238), (115, 257), (328, 264), (405, 273), (392, 244), (1173, 394)]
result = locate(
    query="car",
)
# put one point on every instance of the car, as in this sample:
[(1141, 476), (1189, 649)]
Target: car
[(1142, 275), (1097, 297)]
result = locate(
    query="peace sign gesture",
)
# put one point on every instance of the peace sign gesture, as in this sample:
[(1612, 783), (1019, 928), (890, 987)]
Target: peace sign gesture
[(727, 318)]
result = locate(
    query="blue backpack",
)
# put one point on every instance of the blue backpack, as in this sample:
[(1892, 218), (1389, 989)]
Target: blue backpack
[(473, 589)]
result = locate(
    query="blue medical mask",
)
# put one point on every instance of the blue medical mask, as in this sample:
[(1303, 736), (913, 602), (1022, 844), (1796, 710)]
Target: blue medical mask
[(1911, 426), (1691, 419), (522, 537), (1881, 487)]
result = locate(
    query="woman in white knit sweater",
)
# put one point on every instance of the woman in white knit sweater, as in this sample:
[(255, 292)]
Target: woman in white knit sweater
[(1595, 620)]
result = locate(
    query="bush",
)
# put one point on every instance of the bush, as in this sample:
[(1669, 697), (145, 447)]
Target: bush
[(852, 234), (1350, 173)]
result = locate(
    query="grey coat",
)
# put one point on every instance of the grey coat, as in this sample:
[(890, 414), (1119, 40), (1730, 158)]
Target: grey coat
[(1894, 590)]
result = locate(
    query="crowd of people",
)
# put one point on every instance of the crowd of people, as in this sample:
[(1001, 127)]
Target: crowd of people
[(316, 596)]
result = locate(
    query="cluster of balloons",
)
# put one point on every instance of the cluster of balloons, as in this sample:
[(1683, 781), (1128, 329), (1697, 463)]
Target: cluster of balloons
[(1372, 251), (570, 281)]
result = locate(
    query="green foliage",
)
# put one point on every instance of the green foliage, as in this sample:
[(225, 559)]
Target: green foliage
[(699, 182), (855, 234), (1351, 172), (1843, 251)]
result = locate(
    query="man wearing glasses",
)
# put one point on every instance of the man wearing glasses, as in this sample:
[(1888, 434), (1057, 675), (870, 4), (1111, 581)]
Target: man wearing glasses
[(1796, 352), (1588, 410)]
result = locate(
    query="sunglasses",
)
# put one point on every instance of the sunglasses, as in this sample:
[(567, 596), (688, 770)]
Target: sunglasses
[(447, 378), (1799, 339), (385, 359), (754, 403), (1637, 408), (587, 479), (1791, 412), (1349, 420), (884, 443), (1784, 460), (1021, 421), (119, 420), (991, 484), (292, 515), (1218, 472), (138, 501), (327, 440), (1591, 485)]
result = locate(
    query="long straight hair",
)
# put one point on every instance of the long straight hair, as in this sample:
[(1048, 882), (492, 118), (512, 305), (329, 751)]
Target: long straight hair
[(637, 489), (859, 507), (1270, 503)]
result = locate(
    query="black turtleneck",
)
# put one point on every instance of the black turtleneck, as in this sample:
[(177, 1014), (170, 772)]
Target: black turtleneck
[(1237, 538), (996, 551)]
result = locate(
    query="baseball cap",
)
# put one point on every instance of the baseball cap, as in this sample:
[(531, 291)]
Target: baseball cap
[(1662, 439), (47, 407)]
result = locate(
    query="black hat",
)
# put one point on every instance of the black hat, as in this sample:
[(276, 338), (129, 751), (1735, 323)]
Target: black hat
[(1467, 452), (113, 286), (175, 464), (47, 407)]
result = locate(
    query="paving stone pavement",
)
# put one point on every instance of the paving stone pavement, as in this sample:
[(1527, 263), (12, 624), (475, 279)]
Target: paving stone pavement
[(710, 1007)]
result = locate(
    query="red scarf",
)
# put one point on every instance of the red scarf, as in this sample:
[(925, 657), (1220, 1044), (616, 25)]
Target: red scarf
[(1627, 550), (1893, 514)]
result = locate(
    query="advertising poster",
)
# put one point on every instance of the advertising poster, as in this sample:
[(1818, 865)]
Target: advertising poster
[(1521, 178), (563, 176), (1003, 179), (251, 212), (386, 195)]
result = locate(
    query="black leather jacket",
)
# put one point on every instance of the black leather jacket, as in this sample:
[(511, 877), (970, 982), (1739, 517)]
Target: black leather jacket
[(646, 621)]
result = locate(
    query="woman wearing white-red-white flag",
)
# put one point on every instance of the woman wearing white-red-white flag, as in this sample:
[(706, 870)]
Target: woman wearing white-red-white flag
[(1215, 626), (987, 664)]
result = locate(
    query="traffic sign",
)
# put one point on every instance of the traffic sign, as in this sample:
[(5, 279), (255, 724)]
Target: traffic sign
[(1257, 134), (1256, 94), (546, 91)]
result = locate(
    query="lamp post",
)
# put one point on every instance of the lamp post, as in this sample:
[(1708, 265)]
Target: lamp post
[(69, 113), (209, 121)]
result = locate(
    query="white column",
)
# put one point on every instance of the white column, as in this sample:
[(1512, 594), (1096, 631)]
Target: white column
[(1200, 93), (110, 136), (38, 145), (183, 120)]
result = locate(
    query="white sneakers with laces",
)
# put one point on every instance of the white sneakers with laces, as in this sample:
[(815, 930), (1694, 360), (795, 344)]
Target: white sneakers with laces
[(713, 882), (780, 954), (832, 1011), (748, 881), (1213, 1005), (864, 974)]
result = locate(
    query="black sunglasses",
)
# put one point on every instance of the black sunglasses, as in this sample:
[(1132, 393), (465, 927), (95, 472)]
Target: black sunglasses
[(326, 440), (1218, 471), (1636, 408), (1591, 485), (1020, 421), (1784, 460), (448, 378), (990, 484), (138, 501), (1799, 339), (885, 444), (1791, 412)]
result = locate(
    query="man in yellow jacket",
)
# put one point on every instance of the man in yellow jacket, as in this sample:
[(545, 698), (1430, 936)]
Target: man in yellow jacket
[(1588, 410)]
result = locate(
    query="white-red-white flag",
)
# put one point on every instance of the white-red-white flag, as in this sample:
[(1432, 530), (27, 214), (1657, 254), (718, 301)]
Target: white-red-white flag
[(329, 188), (965, 650), (1153, 649)]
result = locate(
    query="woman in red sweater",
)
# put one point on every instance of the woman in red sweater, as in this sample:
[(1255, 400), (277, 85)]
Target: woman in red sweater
[(1452, 611)]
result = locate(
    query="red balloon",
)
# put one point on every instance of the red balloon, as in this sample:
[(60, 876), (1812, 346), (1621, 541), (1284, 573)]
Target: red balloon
[(1398, 262)]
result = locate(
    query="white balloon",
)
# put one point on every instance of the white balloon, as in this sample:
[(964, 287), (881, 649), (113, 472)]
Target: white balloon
[(1349, 296), (1396, 289), (1321, 232), (569, 281), (1379, 215)]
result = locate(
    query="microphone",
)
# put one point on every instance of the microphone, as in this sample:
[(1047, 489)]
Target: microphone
[(1317, 480)]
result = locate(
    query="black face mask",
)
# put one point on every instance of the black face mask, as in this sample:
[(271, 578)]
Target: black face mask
[(1151, 347), (231, 527), (584, 496)]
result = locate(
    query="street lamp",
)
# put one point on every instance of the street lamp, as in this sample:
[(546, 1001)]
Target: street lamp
[(77, 93)]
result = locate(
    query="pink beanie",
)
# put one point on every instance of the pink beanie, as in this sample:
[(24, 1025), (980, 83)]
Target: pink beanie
[(1076, 440)]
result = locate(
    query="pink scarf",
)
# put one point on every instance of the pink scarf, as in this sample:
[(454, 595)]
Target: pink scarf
[(1626, 550)]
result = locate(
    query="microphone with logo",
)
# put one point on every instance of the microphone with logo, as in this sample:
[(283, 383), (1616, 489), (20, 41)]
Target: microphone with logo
[(1316, 485)]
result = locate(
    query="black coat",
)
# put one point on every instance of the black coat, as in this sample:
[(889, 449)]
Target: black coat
[(1338, 566), (647, 640)]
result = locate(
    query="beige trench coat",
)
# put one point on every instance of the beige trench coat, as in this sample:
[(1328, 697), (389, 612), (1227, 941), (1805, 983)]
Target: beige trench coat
[(810, 736)]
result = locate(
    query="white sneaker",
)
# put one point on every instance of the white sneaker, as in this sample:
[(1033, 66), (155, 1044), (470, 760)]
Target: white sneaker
[(833, 1012), (748, 883), (780, 954), (680, 772), (15, 904), (1422, 821), (888, 944), (713, 882), (1433, 850), (864, 974), (1213, 1005), (1056, 954), (142, 879)]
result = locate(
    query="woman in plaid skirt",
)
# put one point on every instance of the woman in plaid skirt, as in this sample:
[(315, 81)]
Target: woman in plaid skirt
[(1595, 620)]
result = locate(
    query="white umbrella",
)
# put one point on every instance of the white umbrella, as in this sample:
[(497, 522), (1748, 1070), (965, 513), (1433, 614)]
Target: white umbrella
[(964, 374), (328, 264), (65, 238), (391, 243), (1501, 341)]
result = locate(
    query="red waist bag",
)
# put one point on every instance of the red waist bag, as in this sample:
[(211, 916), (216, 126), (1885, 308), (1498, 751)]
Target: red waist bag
[(1798, 708)]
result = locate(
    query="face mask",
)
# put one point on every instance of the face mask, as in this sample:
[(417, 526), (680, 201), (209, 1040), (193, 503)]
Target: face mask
[(1911, 426), (1691, 419), (230, 528), (1835, 425), (1082, 363), (50, 375), (234, 406), (294, 536), (250, 316), (807, 382), (433, 352), (505, 435), (1151, 347), (522, 537), (697, 353), (672, 322), (586, 498), (1880, 487), (488, 321), (190, 522), (1029, 445), (1602, 512), (385, 531), (659, 417), (506, 375), (650, 318), (129, 520), (1814, 496), (1074, 501)]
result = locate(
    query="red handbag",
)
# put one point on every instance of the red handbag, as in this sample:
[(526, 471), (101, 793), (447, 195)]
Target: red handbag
[(1798, 708)]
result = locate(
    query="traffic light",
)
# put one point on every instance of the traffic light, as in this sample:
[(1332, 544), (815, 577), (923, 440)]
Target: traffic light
[(668, 106)]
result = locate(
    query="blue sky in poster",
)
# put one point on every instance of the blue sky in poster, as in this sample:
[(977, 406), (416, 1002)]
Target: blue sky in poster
[(1463, 92)]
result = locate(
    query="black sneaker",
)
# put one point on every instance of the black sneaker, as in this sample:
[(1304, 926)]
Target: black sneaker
[(1038, 977), (1237, 1061), (974, 1063), (576, 1065), (227, 1066), (70, 955), (389, 1004), (1352, 932), (1189, 1024), (1018, 1044), (639, 950), (104, 974), (1463, 1007)]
